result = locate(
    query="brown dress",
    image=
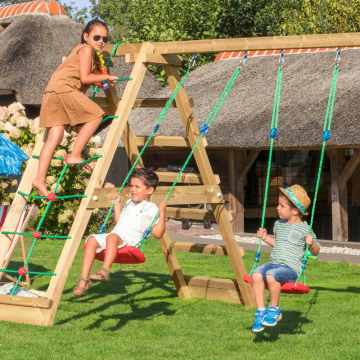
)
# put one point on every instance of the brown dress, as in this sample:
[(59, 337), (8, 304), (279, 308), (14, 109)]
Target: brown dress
[(64, 101)]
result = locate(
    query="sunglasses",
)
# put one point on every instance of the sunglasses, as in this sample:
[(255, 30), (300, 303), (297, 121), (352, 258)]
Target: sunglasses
[(105, 39)]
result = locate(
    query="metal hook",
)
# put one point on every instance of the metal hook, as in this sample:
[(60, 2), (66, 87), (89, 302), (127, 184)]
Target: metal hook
[(192, 62), (337, 57), (281, 58), (243, 59)]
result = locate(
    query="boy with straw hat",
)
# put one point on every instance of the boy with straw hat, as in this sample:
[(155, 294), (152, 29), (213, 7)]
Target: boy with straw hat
[(291, 237)]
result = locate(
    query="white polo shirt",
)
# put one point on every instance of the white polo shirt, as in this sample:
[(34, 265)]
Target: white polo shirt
[(135, 219)]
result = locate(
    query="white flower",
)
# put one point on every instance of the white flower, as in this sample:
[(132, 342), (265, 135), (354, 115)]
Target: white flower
[(14, 182), (4, 185), (27, 150), (14, 118), (21, 106), (9, 127), (22, 122), (56, 163), (95, 211), (66, 134), (15, 133), (4, 113), (98, 151), (5, 203), (78, 186), (65, 216), (59, 189), (2, 126), (109, 186), (7, 136), (13, 108), (92, 152), (96, 140), (12, 195), (50, 180), (64, 142), (61, 153)]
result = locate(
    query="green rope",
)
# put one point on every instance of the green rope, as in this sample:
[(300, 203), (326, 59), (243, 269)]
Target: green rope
[(42, 236), (57, 197), (107, 64), (327, 126), (162, 115), (28, 272), (274, 123), (208, 122), (108, 117), (54, 158)]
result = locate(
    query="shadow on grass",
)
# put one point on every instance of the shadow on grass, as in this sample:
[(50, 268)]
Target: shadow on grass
[(119, 282), (350, 289)]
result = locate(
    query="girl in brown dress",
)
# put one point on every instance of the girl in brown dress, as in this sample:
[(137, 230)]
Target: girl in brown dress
[(64, 101)]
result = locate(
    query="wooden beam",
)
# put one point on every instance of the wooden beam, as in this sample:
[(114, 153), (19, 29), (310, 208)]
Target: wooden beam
[(181, 195), (349, 168), (202, 248), (139, 103), (156, 59), (338, 196), (169, 141), (23, 314), (203, 163), (248, 44), (214, 288), (194, 214), (185, 178), (254, 213), (355, 193), (246, 165), (26, 301)]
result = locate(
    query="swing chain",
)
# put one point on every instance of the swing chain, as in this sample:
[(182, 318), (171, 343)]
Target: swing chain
[(281, 59), (192, 62), (337, 57), (243, 59)]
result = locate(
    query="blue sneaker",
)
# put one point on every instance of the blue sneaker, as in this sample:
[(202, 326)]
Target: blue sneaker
[(273, 316), (259, 317)]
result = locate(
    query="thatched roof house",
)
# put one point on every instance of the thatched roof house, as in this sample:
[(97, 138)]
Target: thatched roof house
[(245, 118), (32, 45)]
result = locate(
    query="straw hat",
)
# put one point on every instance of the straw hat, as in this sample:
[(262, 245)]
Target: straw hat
[(297, 195)]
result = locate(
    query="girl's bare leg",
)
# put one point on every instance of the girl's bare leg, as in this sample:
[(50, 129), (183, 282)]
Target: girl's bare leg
[(55, 136), (84, 136), (274, 289), (258, 287), (112, 243), (88, 259)]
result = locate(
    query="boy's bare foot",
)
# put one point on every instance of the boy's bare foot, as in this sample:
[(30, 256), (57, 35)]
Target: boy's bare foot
[(74, 160), (40, 187)]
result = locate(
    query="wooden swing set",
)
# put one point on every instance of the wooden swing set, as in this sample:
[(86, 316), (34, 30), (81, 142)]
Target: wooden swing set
[(205, 188)]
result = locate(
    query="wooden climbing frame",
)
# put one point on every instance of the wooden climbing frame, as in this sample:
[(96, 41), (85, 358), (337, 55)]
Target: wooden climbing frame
[(205, 187)]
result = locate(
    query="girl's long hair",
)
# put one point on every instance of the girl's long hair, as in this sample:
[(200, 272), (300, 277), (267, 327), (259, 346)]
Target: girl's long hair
[(89, 26)]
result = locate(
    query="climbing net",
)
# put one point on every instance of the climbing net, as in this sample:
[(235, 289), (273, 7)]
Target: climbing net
[(51, 197)]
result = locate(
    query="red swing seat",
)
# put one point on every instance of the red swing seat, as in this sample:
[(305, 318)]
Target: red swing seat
[(125, 255), (287, 288)]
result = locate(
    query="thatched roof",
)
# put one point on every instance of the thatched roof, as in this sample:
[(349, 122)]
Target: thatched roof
[(245, 118), (32, 47)]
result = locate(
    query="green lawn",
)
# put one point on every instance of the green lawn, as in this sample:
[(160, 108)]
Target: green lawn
[(139, 316)]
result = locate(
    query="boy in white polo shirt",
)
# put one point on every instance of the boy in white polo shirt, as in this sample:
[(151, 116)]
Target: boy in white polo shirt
[(131, 224), (291, 237)]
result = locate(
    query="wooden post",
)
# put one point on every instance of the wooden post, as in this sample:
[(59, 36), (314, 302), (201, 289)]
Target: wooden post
[(236, 189), (340, 231), (355, 185)]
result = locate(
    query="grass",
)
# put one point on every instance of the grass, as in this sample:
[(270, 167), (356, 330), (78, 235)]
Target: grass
[(139, 316)]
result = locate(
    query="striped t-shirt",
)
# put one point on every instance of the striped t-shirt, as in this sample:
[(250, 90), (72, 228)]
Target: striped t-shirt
[(289, 247)]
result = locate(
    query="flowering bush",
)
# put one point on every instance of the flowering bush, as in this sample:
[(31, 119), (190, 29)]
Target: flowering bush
[(23, 132)]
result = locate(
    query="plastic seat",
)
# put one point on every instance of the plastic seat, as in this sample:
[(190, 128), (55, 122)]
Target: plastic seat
[(125, 255), (287, 288)]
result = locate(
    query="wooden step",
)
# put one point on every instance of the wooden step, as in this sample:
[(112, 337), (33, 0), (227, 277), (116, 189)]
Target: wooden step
[(181, 195), (185, 178), (194, 214), (167, 141), (202, 248), (26, 301), (139, 103), (213, 288)]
